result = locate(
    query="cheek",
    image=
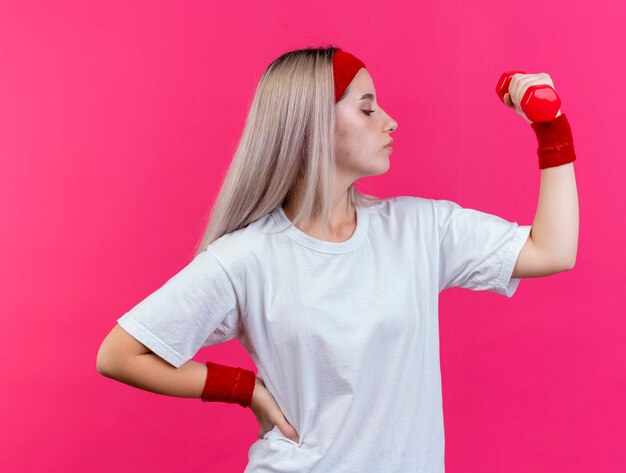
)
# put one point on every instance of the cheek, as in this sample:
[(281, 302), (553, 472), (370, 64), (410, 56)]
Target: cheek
[(349, 148), (353, 137), (351, 126), (343, 140)]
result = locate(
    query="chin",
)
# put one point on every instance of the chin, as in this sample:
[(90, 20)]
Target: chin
[(375, 167), (380, 168)]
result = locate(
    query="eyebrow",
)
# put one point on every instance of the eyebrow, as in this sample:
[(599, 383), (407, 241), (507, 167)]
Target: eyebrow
[(367, 96)]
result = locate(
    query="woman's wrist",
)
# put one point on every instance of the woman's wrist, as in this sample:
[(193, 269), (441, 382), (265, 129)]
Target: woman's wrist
[(555, 142), (228, 384)]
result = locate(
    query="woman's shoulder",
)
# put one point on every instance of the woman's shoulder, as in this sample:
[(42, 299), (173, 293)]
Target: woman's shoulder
[(237, 248), (401, 204)]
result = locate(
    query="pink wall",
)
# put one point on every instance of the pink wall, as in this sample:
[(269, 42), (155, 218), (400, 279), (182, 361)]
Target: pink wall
[(117, 123)]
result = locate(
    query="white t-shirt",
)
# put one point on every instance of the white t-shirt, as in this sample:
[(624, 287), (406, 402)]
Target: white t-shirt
[(344, 334)]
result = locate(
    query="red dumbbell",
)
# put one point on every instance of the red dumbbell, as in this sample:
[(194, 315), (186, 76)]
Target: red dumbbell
[(540, 102)]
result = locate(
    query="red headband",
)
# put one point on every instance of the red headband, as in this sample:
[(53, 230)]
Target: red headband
[(345, 67)]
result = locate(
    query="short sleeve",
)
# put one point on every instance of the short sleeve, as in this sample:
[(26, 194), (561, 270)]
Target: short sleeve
[(195, 308), (477, 250)]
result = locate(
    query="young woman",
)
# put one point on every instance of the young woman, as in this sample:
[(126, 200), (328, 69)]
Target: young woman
[(332, 292)]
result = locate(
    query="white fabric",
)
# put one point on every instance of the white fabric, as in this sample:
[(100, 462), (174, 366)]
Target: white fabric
[(344, 334)]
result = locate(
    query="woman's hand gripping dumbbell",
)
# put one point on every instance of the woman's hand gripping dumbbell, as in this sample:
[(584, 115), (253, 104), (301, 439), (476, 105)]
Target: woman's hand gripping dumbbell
[(531, 95)]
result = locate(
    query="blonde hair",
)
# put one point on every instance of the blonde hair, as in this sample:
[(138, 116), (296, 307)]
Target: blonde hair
[(288, 141)]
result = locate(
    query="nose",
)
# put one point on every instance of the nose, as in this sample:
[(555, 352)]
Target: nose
[(393, 125)]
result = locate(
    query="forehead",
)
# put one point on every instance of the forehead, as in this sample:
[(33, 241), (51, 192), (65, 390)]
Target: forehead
[(361, 84)]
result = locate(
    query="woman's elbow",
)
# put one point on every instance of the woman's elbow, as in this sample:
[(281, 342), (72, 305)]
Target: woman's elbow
[(104, 363), (117, 347)]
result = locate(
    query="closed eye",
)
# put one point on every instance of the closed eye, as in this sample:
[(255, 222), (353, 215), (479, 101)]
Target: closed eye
[(368, 112)]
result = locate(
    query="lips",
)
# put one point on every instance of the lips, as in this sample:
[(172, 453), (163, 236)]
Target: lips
[(389, 144)]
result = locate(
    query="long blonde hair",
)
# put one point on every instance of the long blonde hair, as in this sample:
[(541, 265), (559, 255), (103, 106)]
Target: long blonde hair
[(288, 140)]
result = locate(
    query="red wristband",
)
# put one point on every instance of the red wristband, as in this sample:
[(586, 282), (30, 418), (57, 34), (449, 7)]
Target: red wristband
[(228, 384), (556, 145)]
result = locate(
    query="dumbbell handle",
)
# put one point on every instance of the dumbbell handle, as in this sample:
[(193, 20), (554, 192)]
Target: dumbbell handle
[(540, 102)]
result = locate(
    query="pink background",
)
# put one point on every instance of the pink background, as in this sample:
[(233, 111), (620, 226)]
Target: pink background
[(117, 123)]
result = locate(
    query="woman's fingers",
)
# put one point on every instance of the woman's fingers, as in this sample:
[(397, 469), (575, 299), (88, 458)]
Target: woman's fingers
[(288, 431), (508, 101), (268, 413)]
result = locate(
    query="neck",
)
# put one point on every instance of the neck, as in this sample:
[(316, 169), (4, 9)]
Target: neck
[(342, 216)]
